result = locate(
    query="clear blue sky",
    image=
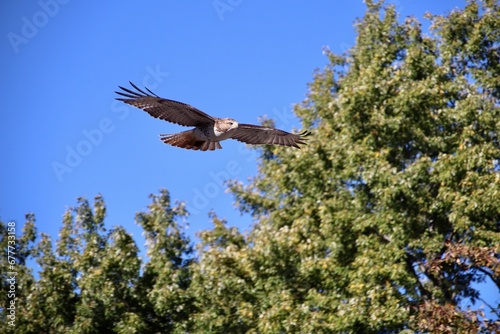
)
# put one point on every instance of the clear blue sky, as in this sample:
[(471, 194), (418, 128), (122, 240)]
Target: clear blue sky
[(62, 135)]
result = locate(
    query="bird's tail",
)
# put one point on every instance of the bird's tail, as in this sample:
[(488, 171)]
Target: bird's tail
[(188, 141)]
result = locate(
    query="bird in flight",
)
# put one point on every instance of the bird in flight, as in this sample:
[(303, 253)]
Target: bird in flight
[(208, 130)]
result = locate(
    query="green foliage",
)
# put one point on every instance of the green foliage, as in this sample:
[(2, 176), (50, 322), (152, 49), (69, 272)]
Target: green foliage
[(381, 218), (166, 276), (92, 282), (382, 224)]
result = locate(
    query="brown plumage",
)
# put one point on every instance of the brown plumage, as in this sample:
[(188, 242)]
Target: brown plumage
[(209, 130)]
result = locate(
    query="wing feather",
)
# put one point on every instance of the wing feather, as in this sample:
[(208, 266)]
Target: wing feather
[(165, 109), (255, 134)]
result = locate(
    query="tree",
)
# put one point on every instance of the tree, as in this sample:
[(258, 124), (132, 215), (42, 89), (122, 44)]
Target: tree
[(223, 289), (91, 282), (165, 302), (392, 212)]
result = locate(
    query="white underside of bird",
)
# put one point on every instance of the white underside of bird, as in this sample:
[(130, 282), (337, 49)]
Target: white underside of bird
[(204, 138)]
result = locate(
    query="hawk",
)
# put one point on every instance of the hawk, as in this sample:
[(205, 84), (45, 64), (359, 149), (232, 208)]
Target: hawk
[(209, 130)]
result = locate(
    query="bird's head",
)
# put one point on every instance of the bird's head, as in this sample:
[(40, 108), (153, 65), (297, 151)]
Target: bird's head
[(227, 124)]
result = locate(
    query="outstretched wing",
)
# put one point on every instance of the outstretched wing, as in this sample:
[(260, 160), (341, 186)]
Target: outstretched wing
[(168, 110), (255, 134)]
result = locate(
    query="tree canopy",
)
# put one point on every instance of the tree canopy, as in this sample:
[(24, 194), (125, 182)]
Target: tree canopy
[(385, 223)]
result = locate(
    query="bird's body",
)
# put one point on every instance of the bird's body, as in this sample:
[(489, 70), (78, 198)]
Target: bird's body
[(208, 131), (203, 137)]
